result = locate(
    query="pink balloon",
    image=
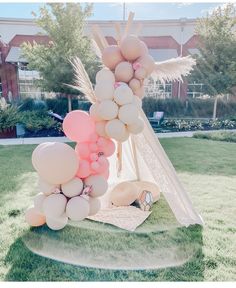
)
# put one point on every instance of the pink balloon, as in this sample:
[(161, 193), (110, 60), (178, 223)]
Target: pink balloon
[(93, 147), (101, 142), (78, 126), (84, 169), (93, 137), (104, 164), (95, 166), (93, 157), (82, 150), (109, 149)]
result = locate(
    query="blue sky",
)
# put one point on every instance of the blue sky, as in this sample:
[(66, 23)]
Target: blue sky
[(113, 11)]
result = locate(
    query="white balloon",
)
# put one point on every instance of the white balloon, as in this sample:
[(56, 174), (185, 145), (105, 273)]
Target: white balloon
[(104, 90), (137, 101), (38, 202), (54, 205), (94, 206), (47, 188), (98, 183), (123, 95), (136, 127), (77, 208), (108, 110), (128, 113), (125, 136), (57, 223), (105, 75), (115, 129), (72, 188), (93, 112)]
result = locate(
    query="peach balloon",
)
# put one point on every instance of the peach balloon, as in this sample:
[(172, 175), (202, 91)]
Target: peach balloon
[(111, 56), (77, 208), (105, 74), (94, 206), (98, 183), (131, 48), (128, 113), (134, 84), (140, 73), (136, 127), (115, 129), (147, 62), (54, 205), (93, 112), (104, 90), (84, 169), (100, 128), (34, 218), (57, 163), (72, 188), (124, 72), (57, 223), (108, 110), (123, 95), (78, 126)]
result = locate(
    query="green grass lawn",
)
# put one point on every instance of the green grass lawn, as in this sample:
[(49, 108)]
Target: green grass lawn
[(207, 170)]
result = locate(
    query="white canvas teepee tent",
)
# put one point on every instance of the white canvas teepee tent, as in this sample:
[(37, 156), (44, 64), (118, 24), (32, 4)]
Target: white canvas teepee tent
[(142, 157)]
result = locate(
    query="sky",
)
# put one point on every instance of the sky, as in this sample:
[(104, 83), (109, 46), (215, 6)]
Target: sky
[(114, 11)]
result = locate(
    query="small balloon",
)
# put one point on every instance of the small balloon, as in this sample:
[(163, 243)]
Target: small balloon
[(123, 95), (128, 113), (72, 188), (131, 47), (34, 218), (38, 202), (108, 110), (84, 169), (57, 223), (77, 208), (136, 127), (100, 128), (94, 206), (93, 112), (54, 205), (47, 188), (105, 74), (104, 91), (111, 56), (124, 72), (115, 129), (82, 150), (98, 183)]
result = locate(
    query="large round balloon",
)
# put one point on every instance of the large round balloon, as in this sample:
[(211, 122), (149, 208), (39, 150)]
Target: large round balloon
[(131, 47), (56, 163), (78, 126), (111, 56)]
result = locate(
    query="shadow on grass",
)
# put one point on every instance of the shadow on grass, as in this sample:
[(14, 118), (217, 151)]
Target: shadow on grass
[(27, 266)]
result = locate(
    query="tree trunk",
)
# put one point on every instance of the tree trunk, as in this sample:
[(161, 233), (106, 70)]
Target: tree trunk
[(215, 107), (69, 103)]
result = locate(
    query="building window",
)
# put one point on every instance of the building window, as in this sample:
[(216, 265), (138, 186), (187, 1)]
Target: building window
[(158, 90), (195, 90), (27, 80)]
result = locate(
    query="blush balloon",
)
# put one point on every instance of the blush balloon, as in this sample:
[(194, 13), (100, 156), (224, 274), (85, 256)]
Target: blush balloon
[(140, 73), (78, 126), (109, 148), (147, 62), (131, 48), (84, 169), (34, 218), (134, 84), (111, 56), (82, 149)]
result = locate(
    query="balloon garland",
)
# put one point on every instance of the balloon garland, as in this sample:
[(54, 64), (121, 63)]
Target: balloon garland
[(72, 180)]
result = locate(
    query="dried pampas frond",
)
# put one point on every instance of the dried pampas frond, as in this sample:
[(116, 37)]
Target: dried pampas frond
[(173, 69), (96, 49), (82, 81)]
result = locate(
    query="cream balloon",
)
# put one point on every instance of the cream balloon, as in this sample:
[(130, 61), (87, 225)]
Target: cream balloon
[(93, 112), (108, 110), (124, 194), (35, 154), (123, 95), (140, 92), (104, 90), (111, 56), (144, 48), (115, 129), (136, 127), (137, 101), (77, 208), (134, 84), (94, 206), (106, 75), (147, 62), (100, 128), (38, 202), (57, 223), (131, 47), (54, 205), (47, 188), (125, 136), (72, 188), (98, 183), (56, 163), (34, 218), (128, 113), (124, 72), (140, 73)]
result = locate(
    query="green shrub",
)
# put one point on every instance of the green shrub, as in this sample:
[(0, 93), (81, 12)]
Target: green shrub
[(35, 121), (227, 136), (9, 117), (197, 108), (30, 104)]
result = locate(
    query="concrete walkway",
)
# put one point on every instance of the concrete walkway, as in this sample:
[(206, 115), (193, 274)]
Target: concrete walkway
[(38, 140)]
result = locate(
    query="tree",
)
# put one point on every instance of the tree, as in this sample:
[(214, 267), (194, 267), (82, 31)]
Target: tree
[(64, 24), (216, 65)]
